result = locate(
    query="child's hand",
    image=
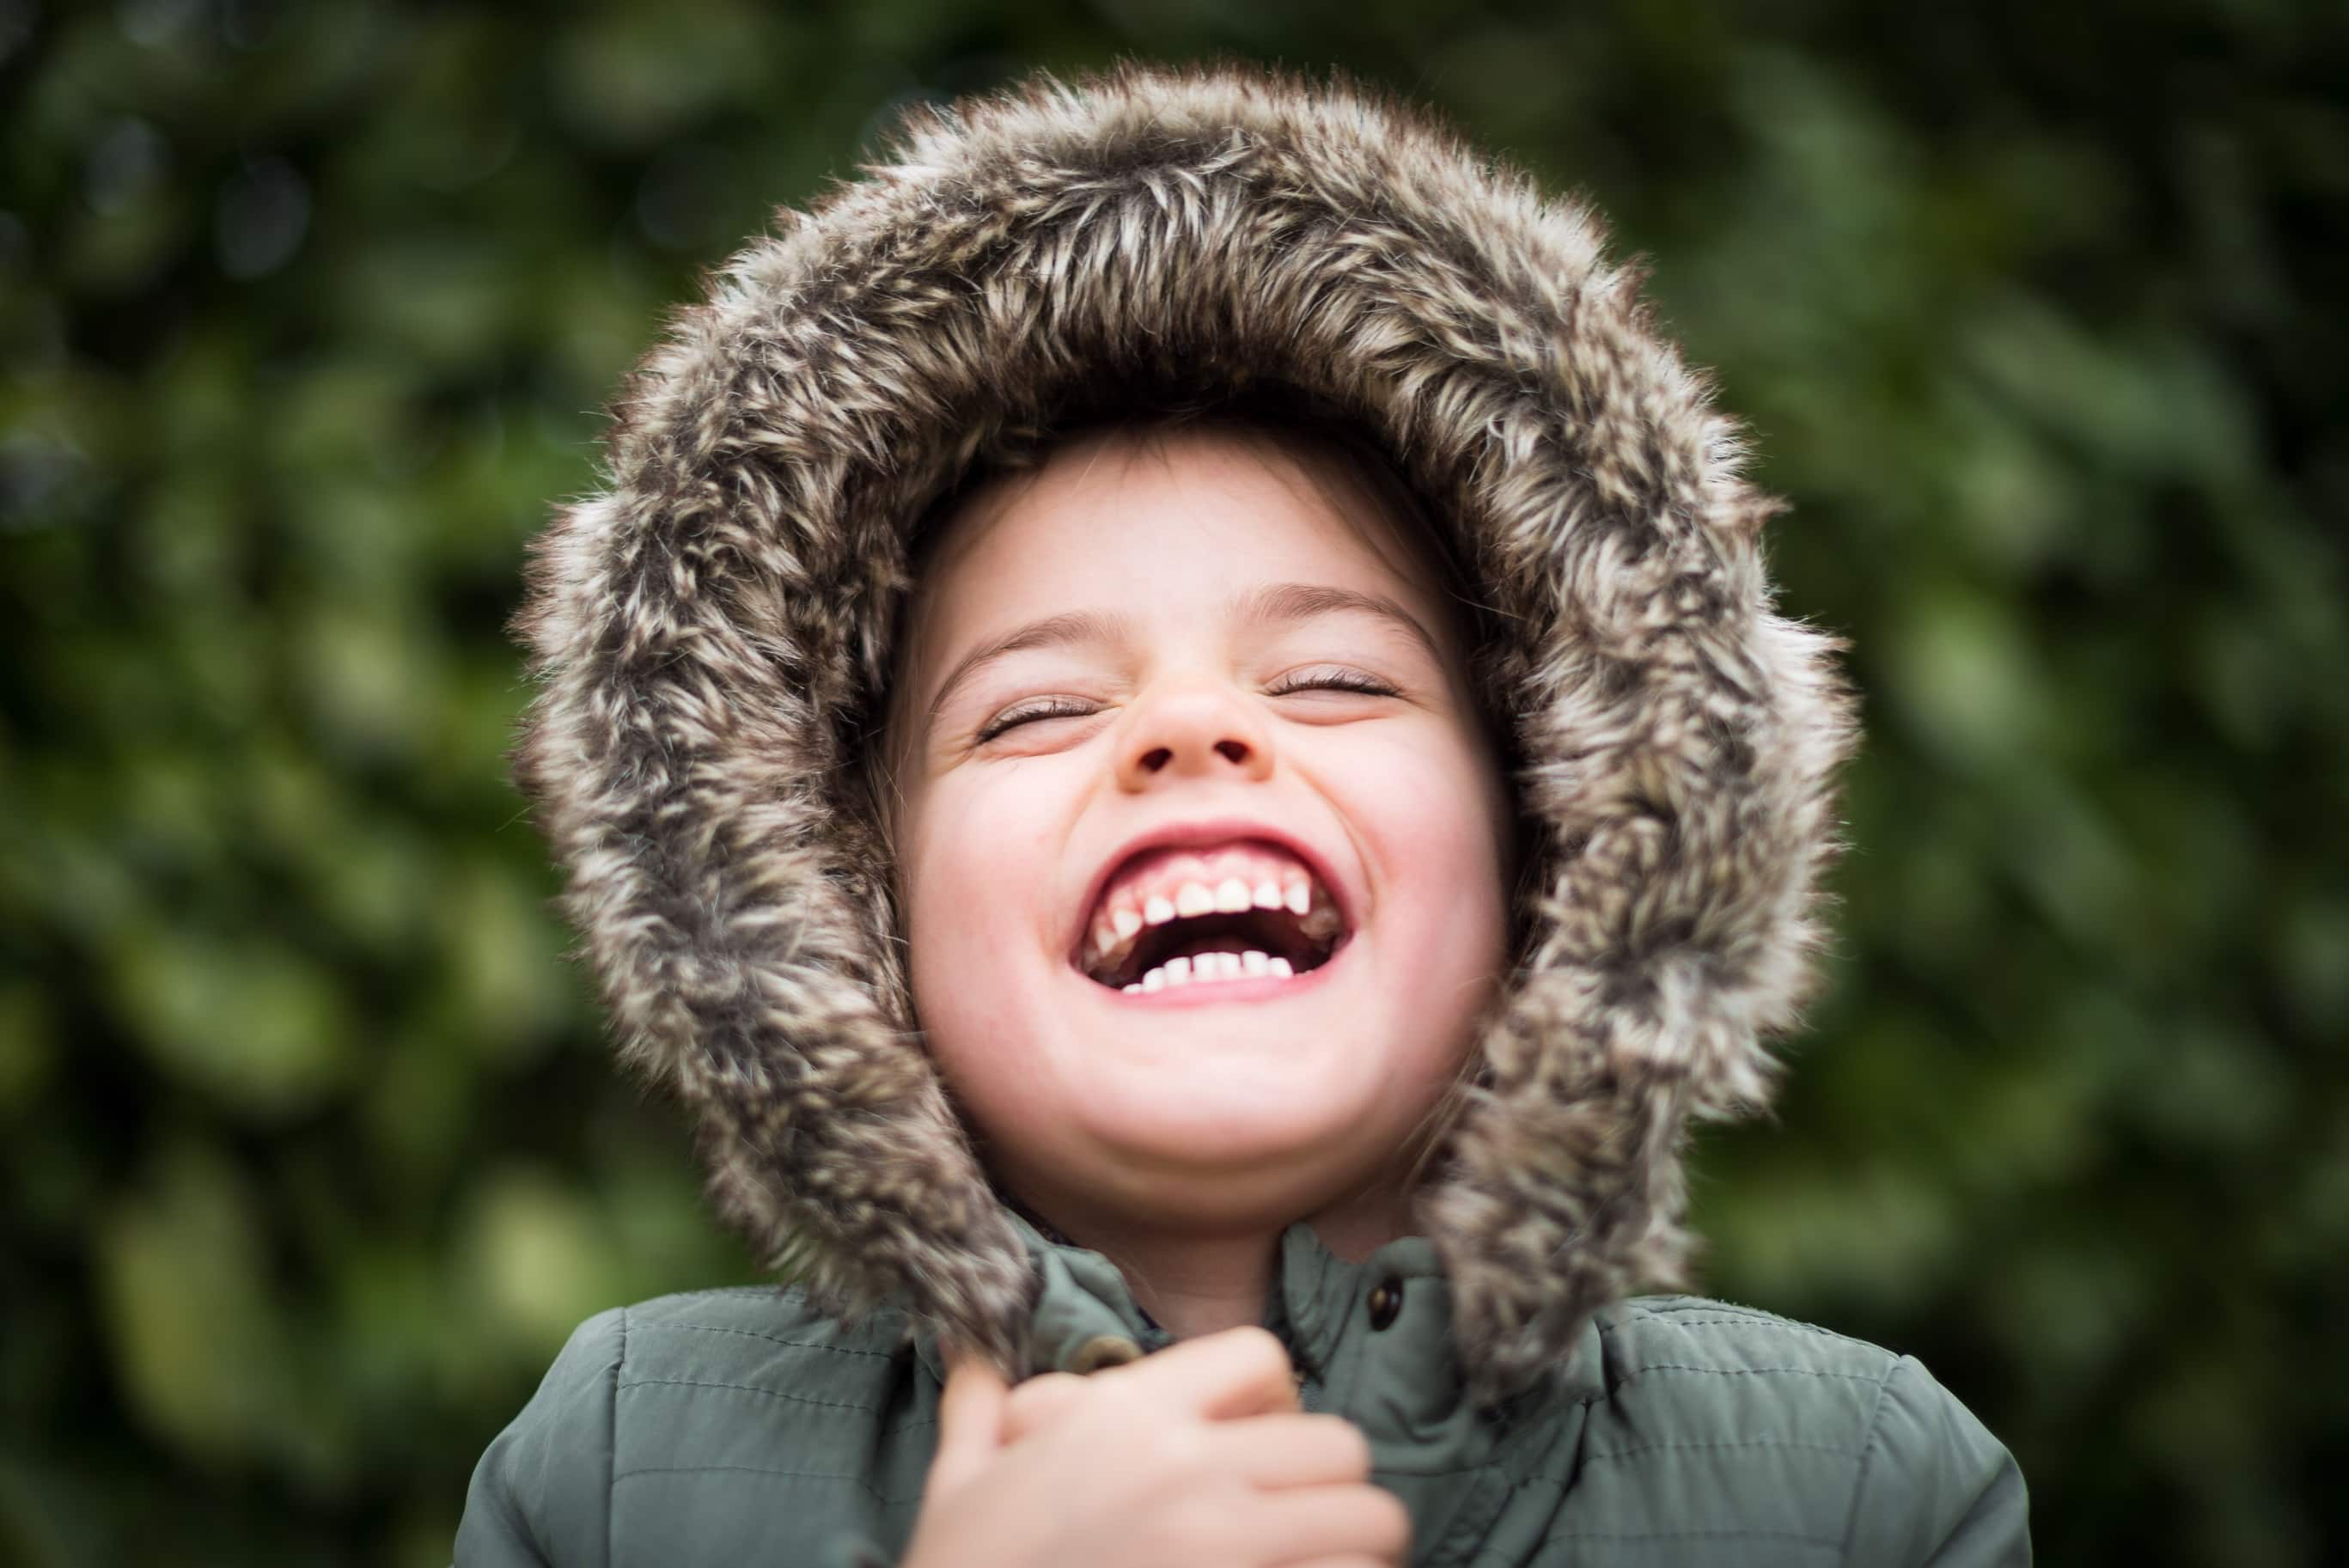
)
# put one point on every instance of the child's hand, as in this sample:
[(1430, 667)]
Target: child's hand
[(1196, 1457)]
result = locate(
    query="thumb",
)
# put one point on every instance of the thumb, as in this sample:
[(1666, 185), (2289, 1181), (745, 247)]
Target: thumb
[(970, 1419)]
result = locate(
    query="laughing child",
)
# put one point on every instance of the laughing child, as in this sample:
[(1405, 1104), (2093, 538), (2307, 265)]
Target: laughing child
[(1171, 730)]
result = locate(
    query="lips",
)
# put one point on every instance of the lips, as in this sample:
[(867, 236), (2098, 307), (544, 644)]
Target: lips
[(1211, 900)]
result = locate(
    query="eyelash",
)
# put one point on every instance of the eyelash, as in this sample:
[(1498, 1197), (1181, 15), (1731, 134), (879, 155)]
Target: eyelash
[(1063, 707)]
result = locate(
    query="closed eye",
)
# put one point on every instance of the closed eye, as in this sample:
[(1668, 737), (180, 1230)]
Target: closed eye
[(1068, 707), (1334, 680), (1049, 708)]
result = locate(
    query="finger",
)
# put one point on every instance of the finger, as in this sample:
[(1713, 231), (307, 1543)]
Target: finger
[(1282, 1450), (1038, 1402), (970, 1419), (1304, 1525), (1240, 1371)]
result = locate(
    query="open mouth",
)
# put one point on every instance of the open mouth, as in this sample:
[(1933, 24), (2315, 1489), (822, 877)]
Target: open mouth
[(1188, 916)]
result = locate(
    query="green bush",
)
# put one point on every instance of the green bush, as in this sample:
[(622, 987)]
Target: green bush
[(312, 1151)]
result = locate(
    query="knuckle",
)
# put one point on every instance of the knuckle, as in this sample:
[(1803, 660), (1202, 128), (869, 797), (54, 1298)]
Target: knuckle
[(1351, 1447), (1045, 1390), (1263, 1346), (1392, 1521)]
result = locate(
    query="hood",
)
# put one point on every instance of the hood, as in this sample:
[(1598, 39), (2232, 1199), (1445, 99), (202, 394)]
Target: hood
[(710, 634)]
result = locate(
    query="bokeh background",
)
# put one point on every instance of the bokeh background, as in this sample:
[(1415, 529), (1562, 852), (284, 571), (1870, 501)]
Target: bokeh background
[(312, 1152)]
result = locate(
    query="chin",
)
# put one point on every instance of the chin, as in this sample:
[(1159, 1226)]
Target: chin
[(1230, 1121), (1237, 1184)]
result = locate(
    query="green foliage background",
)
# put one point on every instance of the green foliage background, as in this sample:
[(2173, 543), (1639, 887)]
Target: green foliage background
[(312, 1152)]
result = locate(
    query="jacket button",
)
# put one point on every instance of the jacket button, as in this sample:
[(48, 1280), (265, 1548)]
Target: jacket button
[(1102, 1351), (1385, 1301)]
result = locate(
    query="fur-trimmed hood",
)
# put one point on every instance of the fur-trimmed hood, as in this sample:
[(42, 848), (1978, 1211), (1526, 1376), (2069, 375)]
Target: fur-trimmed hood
[(711, 632)]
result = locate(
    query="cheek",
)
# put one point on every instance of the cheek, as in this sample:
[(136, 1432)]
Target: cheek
[(1430, 805), (981, 898)]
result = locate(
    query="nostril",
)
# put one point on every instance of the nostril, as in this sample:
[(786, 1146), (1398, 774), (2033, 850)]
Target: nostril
[(1233, 750)]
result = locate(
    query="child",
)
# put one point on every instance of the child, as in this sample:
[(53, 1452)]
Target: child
[(1173, 730)]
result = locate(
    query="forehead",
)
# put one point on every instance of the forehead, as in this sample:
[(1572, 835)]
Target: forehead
[(1165, 521)]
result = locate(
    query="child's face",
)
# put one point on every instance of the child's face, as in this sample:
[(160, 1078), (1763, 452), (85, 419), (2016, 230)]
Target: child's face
[(1173, 609)]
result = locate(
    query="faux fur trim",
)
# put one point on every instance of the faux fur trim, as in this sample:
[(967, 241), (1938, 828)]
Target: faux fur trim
[(710, 629)]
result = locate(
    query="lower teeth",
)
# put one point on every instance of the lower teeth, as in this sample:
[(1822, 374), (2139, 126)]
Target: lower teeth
[(1210, 966)]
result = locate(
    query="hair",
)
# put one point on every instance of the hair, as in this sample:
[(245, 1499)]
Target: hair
[(1291, 415)]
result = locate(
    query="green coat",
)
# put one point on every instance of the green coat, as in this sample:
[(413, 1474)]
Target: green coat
[(734, 1426)]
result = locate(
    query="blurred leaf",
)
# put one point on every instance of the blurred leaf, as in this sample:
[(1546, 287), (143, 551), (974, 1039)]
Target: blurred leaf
[(633, 77), (538, 1262), (257, 1027), (1962, 677), (195, 1337), (27, 1047)]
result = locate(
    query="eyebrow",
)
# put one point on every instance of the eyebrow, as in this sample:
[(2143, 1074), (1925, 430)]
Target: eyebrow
[(1274, 604)]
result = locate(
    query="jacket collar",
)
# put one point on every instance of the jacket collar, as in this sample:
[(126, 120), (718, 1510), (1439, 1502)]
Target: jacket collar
[(1085, 1315), (1373, 1341)]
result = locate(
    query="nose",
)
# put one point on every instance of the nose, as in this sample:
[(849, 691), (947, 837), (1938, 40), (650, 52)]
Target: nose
[(1192, 728)]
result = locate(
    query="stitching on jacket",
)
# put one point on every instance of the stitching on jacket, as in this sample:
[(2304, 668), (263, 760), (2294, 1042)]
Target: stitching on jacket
[(612, 1449), (1599, 1454), (1676, 1318), (777, 1394), (1704, 1304), (856, 1481), (747, 1389), (1536, 1477), (1525, 1437), (1795, 1535), (1866, 1453), (1519, 1482), (1752, 1372), (775, 1339), (1798, 1537), (1680, 1320), (773, 1292)]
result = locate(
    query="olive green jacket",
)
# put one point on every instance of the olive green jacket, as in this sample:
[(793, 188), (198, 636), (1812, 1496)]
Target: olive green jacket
[(735, 1427)]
